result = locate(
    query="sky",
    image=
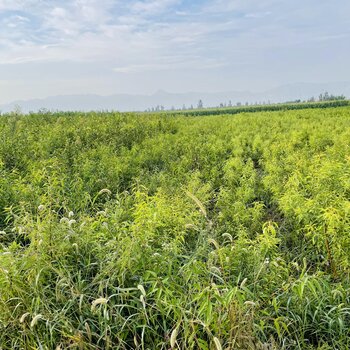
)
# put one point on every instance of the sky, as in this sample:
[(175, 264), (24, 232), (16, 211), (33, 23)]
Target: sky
[(138, 47)]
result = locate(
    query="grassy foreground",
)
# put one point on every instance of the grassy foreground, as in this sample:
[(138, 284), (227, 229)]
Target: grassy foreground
[(131, 231)]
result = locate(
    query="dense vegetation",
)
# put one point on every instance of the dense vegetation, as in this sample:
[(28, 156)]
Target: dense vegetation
[(335, 102), (170, 232)]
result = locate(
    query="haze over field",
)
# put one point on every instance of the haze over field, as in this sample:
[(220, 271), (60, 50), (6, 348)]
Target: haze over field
[(106, 47), (128, 102)]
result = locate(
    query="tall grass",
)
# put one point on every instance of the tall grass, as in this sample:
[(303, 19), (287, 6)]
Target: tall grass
[(124, 231)]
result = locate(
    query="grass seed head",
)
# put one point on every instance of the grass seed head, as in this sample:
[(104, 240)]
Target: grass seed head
[(142, 289), (23, 317), (244, 282), (35, 320), (173, 338), (99, 301), (105, 190), (217, 343)]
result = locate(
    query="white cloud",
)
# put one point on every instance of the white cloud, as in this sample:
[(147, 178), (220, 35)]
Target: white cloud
[(257, 14), (152, 7), (157, 35), (89, 31), (100, 30)]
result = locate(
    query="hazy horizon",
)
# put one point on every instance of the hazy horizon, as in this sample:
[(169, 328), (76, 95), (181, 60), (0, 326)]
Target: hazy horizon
[(108, 47), (168, 100)]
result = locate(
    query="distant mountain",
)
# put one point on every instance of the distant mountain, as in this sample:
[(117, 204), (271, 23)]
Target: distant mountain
[(125, 102)]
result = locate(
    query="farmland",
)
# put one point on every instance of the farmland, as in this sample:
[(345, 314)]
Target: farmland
[(160, 231)]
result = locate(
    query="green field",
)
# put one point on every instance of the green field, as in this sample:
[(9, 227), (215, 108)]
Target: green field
[(141, 231)]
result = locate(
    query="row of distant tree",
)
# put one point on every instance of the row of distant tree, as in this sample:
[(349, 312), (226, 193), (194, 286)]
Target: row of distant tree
[(329, 97), (322, 97)]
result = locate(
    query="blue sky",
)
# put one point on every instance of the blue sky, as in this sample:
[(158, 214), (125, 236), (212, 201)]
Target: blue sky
[(113, 46)]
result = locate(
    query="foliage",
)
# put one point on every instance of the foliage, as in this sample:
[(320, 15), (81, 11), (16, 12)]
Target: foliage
[(139, 231), (329, 101)]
